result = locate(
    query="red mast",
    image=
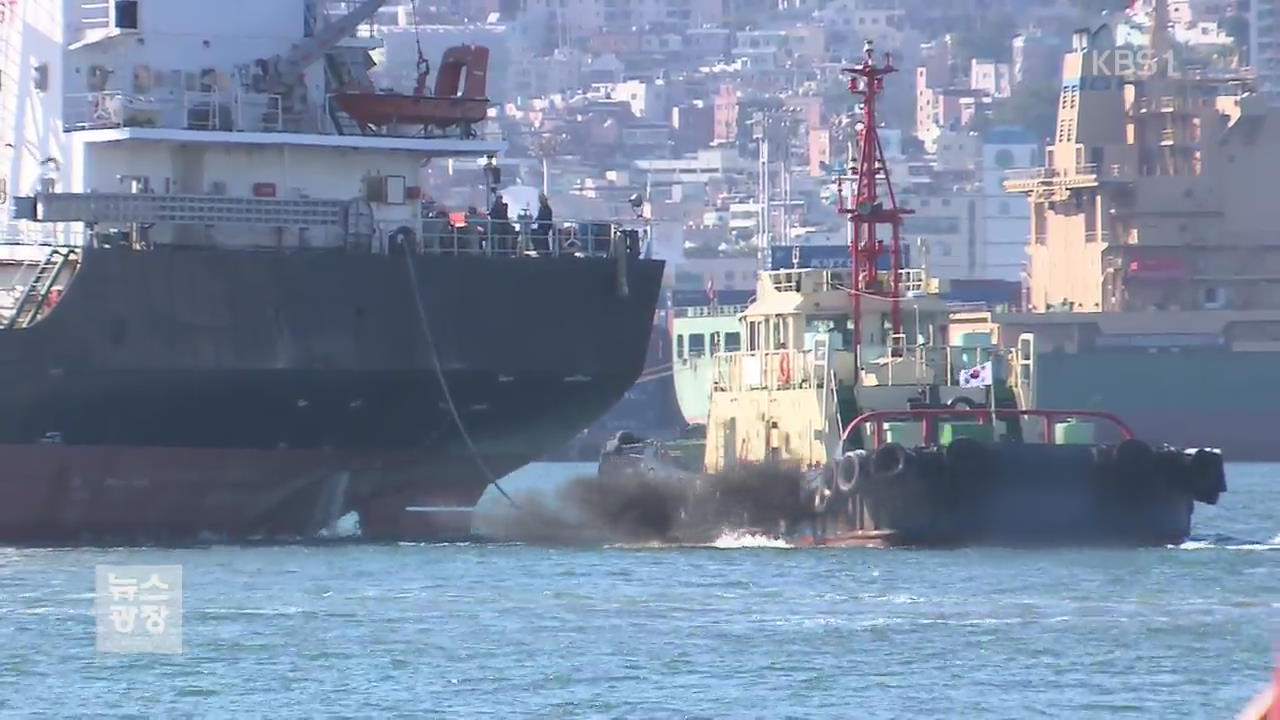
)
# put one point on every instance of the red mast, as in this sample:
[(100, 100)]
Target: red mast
[(866, 80)]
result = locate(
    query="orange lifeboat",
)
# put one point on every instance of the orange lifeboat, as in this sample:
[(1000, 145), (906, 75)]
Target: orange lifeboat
[(458, 99)]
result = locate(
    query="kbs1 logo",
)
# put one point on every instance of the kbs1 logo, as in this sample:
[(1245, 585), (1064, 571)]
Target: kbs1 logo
[(1126, 62)]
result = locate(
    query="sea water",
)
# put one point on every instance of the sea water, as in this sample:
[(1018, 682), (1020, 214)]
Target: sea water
[(745, 627)]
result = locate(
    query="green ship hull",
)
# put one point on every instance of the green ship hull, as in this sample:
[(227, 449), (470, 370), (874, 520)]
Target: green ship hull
[(1189, 397), (694, 338)]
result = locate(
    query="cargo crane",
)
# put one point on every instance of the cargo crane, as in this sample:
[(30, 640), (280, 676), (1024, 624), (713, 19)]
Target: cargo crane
[(284, 73), (868, 211)]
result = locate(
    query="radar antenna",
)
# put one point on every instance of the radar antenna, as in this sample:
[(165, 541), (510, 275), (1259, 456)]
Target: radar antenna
[(866, 80)]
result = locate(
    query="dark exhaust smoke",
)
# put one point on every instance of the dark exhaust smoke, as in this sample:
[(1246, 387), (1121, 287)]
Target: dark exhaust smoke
[(632, 508)]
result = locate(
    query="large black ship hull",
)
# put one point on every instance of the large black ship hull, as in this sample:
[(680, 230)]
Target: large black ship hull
[(648, 408), (177, 392)]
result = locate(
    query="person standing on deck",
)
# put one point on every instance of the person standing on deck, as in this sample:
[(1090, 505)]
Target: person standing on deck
[(542, 226), (499, 224)]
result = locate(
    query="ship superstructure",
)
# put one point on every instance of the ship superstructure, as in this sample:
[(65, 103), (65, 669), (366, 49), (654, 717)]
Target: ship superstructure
[(802, 374), (239, 314), (1153, 262), (1150, 197)]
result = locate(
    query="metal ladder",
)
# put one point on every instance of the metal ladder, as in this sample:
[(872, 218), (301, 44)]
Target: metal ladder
[(825, 379), (821, 355), (30, 305)]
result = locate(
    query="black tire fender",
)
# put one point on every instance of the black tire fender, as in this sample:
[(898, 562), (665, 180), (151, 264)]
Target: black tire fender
[(1208, 478), (1134, 458), (889, 460), (852, 470)]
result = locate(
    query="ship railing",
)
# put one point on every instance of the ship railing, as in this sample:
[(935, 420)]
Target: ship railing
[(258, 112), (764, 370), (202, 110), (912, 280), (1050, 172), (912, 364), (929, 417), (18, 242), (968, 306), (462, 235), (1023, 174), (193, 110), (785, 280), (700, 311), (110, 109)]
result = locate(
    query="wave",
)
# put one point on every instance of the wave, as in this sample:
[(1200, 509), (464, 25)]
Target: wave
[(1227, 542), (727, 540), (739, 539)]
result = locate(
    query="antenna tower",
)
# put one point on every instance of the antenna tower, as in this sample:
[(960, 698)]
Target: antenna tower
[(868, 211)]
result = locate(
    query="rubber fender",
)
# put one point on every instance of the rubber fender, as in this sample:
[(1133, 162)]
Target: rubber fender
[(968, 459), (1208, 478), (821, 496), (963, 401), (1134, 457), (852, 470), (889, 460)]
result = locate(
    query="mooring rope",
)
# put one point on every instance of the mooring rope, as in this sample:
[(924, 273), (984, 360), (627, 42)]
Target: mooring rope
[(444, 384)]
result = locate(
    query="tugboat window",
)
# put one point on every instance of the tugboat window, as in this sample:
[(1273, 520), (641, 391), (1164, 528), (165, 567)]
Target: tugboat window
[(732, 341), (697, 345), (679, 346), (779, 334), (841, 325), (820, 325)]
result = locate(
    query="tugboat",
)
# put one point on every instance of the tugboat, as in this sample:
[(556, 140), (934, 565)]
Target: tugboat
[(850, 375)]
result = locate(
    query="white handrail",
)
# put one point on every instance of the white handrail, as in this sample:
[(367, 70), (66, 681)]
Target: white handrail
[(764, 370)]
